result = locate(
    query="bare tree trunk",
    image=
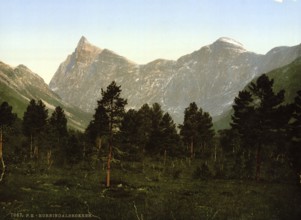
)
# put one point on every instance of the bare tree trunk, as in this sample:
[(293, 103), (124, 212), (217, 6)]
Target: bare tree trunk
[(1, 152), (191, 149), (84, 151), (36, 152), (258, 163), (31, 147), (110, 156), (49, 159), (165, 154), (1, 156), (99, 143), (108, 182), (214, 152)]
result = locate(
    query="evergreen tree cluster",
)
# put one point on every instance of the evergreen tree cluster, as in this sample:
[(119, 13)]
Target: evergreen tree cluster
[(38, 138), (197, 131), (264, 131), (264, 138), (148, 130)]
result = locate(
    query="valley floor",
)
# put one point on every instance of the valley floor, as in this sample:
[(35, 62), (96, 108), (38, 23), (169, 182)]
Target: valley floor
[(142, 191)]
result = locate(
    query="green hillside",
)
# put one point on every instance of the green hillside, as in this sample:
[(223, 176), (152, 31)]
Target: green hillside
[(287, 77), (19, 85), (18, 102)]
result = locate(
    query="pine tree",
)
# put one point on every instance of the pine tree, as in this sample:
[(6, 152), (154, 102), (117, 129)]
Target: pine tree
[(145, 118), (34, 124), (57, 134), (58, 122), (169, 137), (73, 150), (243, 119), (205, 129), (189, 128), (260, 118), (197, 129), (6, 119), (98, 127), (131, 133), (155, 141), (295, 149), (267, 112), (113, 105)]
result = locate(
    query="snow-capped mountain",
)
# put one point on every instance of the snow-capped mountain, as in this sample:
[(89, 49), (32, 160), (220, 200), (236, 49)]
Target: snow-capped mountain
[(210, 76)]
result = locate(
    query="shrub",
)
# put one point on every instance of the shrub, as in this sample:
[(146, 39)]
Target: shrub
[(202, 172), (176, 174)]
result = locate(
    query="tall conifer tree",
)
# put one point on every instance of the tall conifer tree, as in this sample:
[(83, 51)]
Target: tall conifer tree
[(34, 123), (6, 119), (197, 128), (114, 106), (295, 149), (260, 116)]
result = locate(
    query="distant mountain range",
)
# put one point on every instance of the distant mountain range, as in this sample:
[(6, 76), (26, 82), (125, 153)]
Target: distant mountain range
[(210, 76), (19, 85)]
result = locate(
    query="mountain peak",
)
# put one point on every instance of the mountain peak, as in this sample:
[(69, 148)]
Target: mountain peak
[(231, 41), (83, 40), (22, 66), (85, 52)]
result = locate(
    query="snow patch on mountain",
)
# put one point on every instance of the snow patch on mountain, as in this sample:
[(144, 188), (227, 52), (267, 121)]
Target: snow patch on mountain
[(230, 41)]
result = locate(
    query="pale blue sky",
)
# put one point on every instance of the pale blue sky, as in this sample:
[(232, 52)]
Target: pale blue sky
[(41, 33)]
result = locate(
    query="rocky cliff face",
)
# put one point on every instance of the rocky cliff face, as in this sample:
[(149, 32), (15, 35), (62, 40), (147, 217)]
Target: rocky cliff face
[(211, 76)]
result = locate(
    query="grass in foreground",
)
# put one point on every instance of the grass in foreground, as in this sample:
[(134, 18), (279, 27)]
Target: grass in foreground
[(144, 191)]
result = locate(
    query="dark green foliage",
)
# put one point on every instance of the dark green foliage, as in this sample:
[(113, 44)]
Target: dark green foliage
[(35, 126), (14, 150), (269, 114), (243, 119), (202, 172), (170, 140), (261, 120), (295, 148), (99, 126), (163, 136), (35, 118), (229, 140), (296, 125), (188, 130), (57, 135), (108, 118), (149, 129), (131, 135), (155, 142), (58, 122), (7, 130), (113, 106), (206, 133), (197, 130), (74, 149), (144, 114), (7, 117)]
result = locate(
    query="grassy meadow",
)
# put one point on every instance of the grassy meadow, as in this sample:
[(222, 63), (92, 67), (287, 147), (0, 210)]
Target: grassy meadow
[(141, 190)]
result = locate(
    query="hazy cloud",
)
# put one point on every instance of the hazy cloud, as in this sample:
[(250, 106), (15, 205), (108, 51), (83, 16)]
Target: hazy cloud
[(281, 1)]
